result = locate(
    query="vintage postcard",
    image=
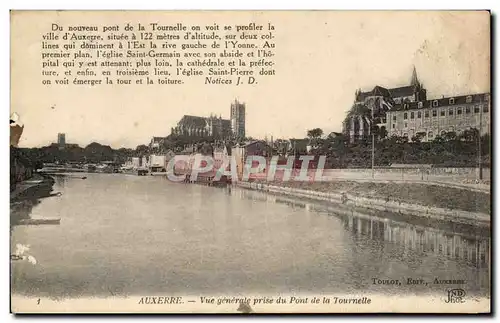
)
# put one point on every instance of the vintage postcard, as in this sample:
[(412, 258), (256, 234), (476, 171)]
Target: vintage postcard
[(250, 162)]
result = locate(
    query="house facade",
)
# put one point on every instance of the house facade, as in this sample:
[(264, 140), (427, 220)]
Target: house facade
[(430, 118)]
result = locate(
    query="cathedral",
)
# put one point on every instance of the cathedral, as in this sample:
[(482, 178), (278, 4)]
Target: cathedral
[(370, 108), (213, 126), (195, 126), (406, 112)]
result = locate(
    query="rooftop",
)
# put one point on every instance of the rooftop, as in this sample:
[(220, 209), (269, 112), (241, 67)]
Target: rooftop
[(193, 121), (387, 93), (447, 101), (395, 92), (200, 122)]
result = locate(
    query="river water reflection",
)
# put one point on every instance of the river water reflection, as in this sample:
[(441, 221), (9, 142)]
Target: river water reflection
[(131, 235)]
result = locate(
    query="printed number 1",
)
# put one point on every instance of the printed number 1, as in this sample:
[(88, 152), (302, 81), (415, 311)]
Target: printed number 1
[(38, 302)]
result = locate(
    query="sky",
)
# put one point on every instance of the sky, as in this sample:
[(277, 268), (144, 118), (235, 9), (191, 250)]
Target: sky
[(322, 57)]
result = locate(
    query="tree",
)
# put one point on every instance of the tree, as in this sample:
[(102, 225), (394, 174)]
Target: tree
[(142, 150), (280, 146), (438, 140), (382, 132), (395, 139), (315, 138), (418, 137), (450, 136), (469, 135), (315, 133), (97, 153)]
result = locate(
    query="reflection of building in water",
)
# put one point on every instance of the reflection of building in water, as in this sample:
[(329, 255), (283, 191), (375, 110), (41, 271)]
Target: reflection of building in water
[(292, 203), (22, 210), (60, 180), (412, 237), (423, 239)]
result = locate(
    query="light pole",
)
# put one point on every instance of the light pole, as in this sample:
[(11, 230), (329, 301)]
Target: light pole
[(373, 144), (373, 147), (480, 164)]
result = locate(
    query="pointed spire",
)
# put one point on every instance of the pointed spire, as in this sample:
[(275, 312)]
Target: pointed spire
[(414, 77)]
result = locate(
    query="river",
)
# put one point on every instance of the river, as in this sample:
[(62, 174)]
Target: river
[(136, 235)]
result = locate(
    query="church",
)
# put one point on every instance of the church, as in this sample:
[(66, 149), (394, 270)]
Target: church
[(370, 108), (406, 112), (201, 127), (213, 127)]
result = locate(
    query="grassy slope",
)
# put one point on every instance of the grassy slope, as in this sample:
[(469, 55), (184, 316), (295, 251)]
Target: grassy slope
[(428, 195)]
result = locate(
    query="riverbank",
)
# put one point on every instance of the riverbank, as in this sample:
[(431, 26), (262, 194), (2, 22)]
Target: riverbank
[(27, 194), (449, 204), (37, 186)]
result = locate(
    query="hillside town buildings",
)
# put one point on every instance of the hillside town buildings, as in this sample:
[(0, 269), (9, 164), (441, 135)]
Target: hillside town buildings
[(406, 111)]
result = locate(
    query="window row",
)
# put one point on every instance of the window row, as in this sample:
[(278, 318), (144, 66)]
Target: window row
[(468, 99), (451, 111)]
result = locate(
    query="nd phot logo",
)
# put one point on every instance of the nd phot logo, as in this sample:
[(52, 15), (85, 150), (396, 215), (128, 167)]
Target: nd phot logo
[(456, 295)]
